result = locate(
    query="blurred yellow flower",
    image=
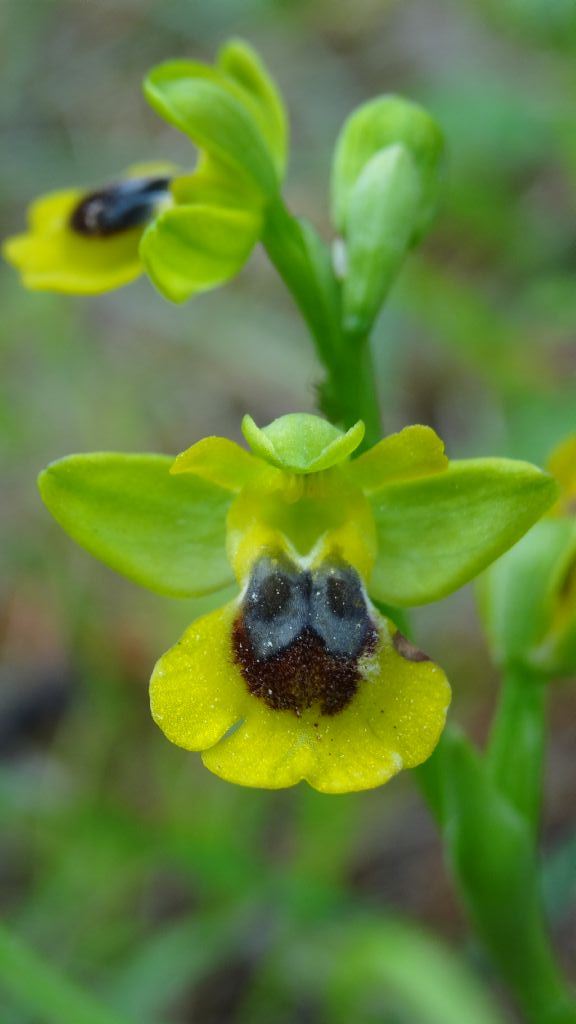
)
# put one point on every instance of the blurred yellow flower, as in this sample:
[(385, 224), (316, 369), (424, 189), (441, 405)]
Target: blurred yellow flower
[(87, 242)]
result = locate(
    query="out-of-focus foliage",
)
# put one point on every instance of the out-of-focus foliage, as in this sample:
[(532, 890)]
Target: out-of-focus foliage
[(165, 893)]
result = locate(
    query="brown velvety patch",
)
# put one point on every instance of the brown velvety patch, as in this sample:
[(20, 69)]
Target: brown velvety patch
[(302, 674), (406, 649)]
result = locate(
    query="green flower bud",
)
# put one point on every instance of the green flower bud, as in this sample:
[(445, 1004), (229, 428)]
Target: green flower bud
[(385, 182)]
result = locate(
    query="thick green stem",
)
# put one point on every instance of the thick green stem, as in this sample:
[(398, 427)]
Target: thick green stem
[(356, 395), (515, 751)]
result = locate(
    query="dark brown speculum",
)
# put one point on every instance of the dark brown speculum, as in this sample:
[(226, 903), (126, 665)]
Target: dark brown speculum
[(300, 634)]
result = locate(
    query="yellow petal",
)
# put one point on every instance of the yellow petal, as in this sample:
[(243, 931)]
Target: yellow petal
[(222, 462), (394, 721), (196, 692), (53, 257), (201, 702), (413, 452), (75, 265)]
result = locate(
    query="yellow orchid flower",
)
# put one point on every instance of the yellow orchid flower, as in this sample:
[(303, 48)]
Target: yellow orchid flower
[(303, 675)]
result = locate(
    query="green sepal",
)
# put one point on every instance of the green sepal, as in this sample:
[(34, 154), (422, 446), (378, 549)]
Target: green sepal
[(436, 533), (212, 184), (218, 115), (162, 531), (240, 62), (528, 599), (376, 125), (191, 249), (383, 213), (301, 442)]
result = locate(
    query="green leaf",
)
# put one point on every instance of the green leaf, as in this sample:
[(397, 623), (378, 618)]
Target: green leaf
[(437, 532), (213, 110), (43, 990), (383, 213), (392, 961), (162, 531), (380, 123), (491, 850), (191, 249), (238, 60), (301, 443)]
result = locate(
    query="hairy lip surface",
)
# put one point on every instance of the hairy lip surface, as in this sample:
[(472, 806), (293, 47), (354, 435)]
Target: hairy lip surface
[(301, 675)]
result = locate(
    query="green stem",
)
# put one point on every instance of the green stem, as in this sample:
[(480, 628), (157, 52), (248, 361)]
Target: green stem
[(303, 262), (354, 379), (515, 751)]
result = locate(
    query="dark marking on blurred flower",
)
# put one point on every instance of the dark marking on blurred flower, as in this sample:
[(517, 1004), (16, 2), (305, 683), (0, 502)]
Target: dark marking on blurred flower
[(126, 204)]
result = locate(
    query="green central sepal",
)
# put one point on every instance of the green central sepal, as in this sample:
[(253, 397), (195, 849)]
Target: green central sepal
[(301, 442)]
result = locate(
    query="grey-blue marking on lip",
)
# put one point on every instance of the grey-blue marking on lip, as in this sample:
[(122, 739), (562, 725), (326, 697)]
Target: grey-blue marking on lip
[(338, 612), (276, 605), (127, 204), (282, 601)]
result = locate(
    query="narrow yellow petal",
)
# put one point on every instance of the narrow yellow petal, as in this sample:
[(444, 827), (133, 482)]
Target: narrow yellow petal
[(414, 451), (222, 462)]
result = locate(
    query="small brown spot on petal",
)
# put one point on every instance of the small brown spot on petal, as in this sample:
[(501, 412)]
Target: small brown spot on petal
[(406, 649)]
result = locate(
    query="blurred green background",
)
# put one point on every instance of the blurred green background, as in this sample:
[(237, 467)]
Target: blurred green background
[(158, 891)]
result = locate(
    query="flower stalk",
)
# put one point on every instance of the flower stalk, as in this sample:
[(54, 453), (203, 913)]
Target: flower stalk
[(304, 263)]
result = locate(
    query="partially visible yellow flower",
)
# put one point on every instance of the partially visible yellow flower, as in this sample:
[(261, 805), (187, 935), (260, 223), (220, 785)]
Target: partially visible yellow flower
[(528, 597), (85, 243), (562, 465), (303, 675)]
